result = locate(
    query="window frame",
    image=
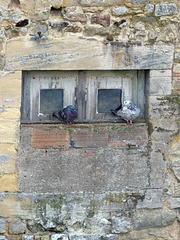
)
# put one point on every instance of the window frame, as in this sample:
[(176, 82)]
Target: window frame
[(81, 93)]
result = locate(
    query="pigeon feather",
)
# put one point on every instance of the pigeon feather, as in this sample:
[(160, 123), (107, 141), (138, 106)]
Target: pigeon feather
[(67, 114), (128, 112)]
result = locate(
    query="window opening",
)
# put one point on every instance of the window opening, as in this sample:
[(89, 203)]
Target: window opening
[(51, 100), (108, 99)]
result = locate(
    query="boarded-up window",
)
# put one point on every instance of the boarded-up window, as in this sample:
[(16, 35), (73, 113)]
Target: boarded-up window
[(93, 93)]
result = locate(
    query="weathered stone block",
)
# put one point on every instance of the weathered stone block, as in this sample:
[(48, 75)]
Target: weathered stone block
[(166, 9), (10, 89), (57, 236), (8, 134), (101, 31), (97, 3), (3, 238), (111, 237), (5, 4), (154, 221), (39, 4), (158, 170), (176, 171), (4, 159), (119, 11), (74, 29), (39, 31), (42, 236), (50, 139), (121, 224), (2, 225), (27, 237), (96, 169), (152, 199), (149, 9), (84, 138), (132, 137), (176, 68), (133, 55), (56, 3), (72, 9), (175, 203), (39, 15), (93, 9), (160, 86), (27, 6), (8, 182), (2, 61), (160, 73), (17, 226), (94, 237), (159, 107), (102, 20), (176, 84), (75, 18), (138, 2)]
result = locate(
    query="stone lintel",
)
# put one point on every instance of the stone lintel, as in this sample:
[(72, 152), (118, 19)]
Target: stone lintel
[(81, 54)]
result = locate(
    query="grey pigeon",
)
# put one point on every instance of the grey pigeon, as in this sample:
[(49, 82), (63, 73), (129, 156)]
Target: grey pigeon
[(67, 114), (128, 112)]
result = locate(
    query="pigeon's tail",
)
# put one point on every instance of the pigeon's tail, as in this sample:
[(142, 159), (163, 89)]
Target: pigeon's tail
[(113, 111), (56, 114), (118, 108)]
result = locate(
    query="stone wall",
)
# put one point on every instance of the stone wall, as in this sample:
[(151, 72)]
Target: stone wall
[(112, 181)]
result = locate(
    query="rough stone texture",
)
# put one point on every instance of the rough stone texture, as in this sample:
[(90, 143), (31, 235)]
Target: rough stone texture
[(149, 9), (3, 237), (154, 221), (89, 173), (46, 139), (138, 2), (56, 3), (2, 225), (118, 11), (17, 226), (59, 236), (100, 2), (175, 203), (115, 55), (152, 199), (93, 219), (2, 62), (121, 225), (27, 237), (160, 83), (4, 159), (176, 171), (166, 9), (133, 174), (75, 18), (111, 237), (102, 20)]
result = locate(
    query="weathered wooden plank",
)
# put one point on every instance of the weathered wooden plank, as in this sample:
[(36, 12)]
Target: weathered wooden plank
[(83, 54)]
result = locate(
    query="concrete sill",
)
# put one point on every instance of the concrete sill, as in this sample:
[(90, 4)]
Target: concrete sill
[(80, 122)]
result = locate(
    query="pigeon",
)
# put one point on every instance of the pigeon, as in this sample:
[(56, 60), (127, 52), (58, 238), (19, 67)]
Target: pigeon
[(67, 114), (128, 112)]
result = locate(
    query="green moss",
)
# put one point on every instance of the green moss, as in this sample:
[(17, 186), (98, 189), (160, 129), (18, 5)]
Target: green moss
[(91, 209), (174, 102), (150, 128), (55, 202)]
